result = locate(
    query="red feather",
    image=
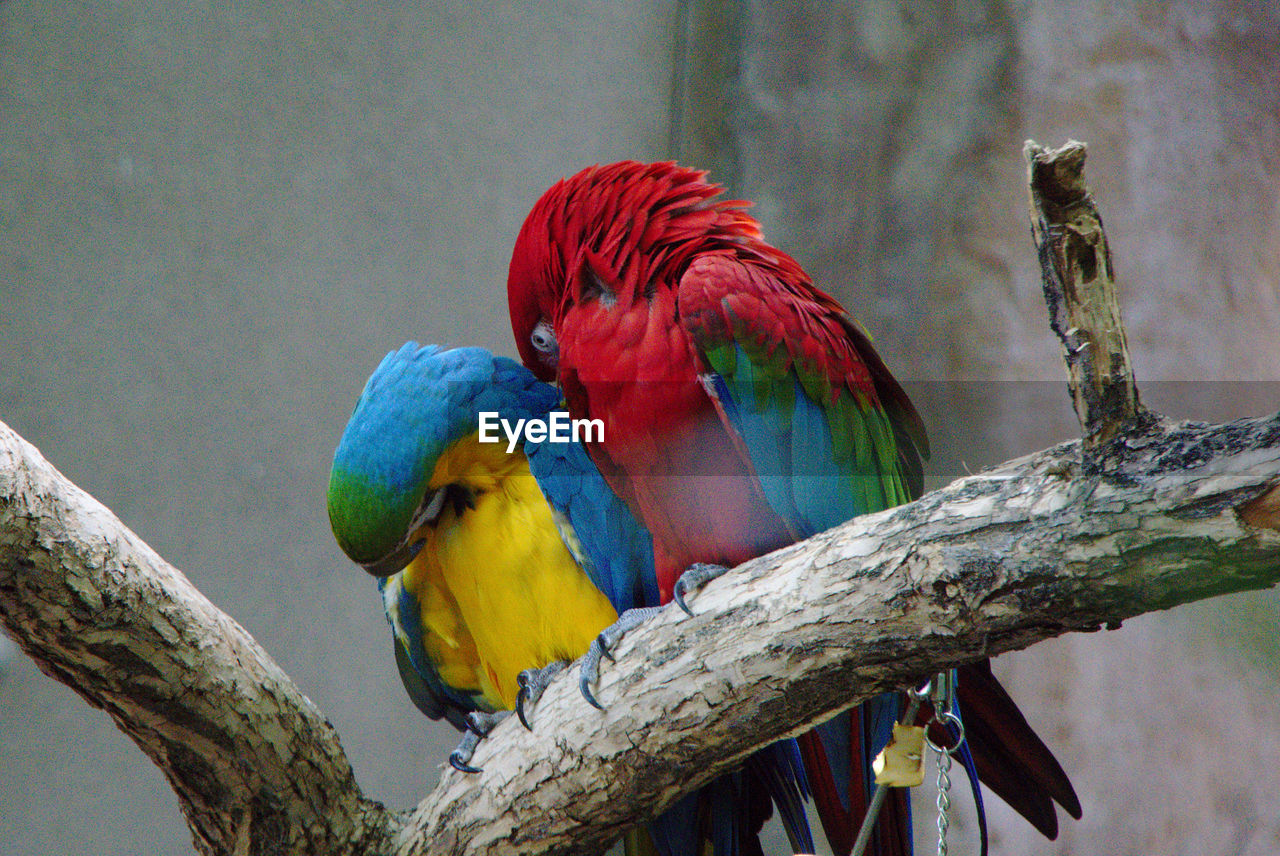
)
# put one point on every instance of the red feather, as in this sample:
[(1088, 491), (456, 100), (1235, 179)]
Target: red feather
[(633, 263)]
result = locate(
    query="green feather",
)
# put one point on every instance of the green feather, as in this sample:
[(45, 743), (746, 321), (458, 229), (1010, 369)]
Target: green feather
[(368, 519)]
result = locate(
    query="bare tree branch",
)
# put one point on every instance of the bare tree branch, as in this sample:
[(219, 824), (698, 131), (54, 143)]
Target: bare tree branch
[(992, 563), (1152, 514), (256, 767)]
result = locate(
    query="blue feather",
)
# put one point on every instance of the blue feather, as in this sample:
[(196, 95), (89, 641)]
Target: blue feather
[(422, 400), (787, 436), (676, 832), (421, 680), (614, 548), (823, 498)]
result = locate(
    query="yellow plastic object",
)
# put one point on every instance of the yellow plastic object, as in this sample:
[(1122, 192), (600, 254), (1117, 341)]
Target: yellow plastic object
[(901, 763)]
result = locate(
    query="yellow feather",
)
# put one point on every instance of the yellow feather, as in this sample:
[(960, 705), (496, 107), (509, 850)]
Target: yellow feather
[(500, 593)]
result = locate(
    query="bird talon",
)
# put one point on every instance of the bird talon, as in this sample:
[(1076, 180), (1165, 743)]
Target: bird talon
[(677, 594), (601, 649), (456, 762), (589, 672), (478, 726), (533, 683), (520, 702), (584, 686), (692, 580)]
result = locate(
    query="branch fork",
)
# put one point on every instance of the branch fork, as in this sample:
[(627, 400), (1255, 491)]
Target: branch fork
[(1160, 514)]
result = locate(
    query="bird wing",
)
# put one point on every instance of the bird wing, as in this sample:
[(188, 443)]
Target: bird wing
[(827, 429), (613, 548)]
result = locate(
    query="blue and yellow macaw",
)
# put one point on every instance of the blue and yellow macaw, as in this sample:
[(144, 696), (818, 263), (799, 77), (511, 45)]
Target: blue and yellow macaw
[(495, 565)]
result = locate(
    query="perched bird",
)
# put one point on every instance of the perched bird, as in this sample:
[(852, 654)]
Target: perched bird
[(743, 410), (498, 561)]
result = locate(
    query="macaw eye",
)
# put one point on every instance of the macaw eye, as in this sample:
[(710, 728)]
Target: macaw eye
[(543, 338)]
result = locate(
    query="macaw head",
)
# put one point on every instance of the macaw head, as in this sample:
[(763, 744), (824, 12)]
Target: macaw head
[(419, 403), (623, 225)]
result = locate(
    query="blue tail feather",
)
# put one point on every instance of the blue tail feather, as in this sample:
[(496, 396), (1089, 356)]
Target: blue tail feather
[(779, 768), (675, 832)]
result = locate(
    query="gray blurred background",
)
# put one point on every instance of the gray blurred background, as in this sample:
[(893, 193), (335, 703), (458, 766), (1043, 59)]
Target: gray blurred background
[(215, 219)]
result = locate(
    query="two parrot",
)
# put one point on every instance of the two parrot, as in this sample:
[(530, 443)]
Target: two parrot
[(743, 410)]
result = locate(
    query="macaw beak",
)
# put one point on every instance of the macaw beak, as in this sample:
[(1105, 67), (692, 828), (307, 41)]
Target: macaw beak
[(403, 553), (395, 561)]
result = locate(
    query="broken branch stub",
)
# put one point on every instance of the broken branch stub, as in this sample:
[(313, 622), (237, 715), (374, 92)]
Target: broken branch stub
[(1080, 290)]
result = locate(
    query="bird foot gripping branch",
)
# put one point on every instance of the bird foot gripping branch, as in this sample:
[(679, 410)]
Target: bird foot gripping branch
[(533, 683), (602, 647), (478, 727), (698, 575)]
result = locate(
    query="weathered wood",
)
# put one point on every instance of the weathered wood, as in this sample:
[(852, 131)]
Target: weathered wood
[(1080, 290), (994, 562), (256, 767)]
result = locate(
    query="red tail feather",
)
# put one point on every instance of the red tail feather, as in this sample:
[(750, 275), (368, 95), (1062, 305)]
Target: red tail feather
[(892, 833), (836, 821), (1010, 757)]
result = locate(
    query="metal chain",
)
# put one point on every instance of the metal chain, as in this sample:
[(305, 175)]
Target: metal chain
[(941, 692), (943, 697), (944, 800)]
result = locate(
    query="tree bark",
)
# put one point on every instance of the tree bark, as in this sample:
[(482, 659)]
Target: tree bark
[(256, 767), (994, 562), (1070, 538), (1080, 291)]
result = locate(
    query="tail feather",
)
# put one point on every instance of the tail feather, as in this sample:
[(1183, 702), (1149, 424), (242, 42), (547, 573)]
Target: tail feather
[(677, 832), (892, 833), (1005, 775), (726, 815), (1010, 757), (971, 770), (831, 763), (780, 770), (837, 802), (837, 758), (724, 818), (738, 812)]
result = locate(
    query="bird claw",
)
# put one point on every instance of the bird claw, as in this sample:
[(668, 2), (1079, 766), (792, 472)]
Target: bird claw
[(697, 576), (533, 683), (459, 757), (478, 726), (601, 647)]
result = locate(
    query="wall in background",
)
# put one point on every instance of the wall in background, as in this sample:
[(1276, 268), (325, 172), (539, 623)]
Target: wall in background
[(214, 221)]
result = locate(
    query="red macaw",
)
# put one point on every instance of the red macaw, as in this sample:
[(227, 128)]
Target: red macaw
[(743, 410)]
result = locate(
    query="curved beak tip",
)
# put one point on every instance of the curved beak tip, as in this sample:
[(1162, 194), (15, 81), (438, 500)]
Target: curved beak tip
[(395, 561)]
